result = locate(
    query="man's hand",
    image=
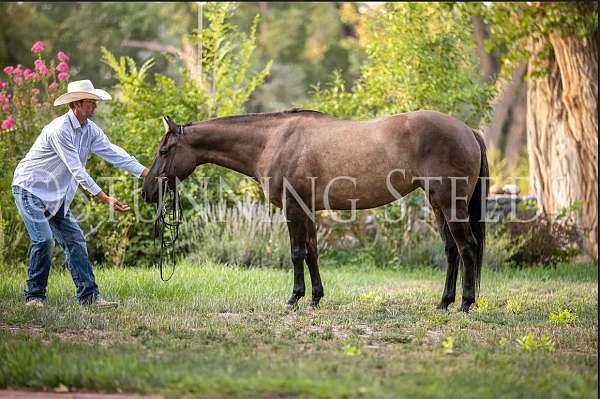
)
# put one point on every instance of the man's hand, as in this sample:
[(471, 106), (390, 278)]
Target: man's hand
[(112, 202), (145, 172)]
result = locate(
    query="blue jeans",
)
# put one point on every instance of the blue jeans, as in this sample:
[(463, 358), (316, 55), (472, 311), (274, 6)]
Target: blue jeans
[(42, 228)]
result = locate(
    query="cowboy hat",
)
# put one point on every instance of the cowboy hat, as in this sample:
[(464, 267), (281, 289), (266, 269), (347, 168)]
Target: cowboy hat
[(81, 90)]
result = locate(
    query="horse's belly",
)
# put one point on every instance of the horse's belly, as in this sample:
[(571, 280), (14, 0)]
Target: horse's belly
[(362, 192)]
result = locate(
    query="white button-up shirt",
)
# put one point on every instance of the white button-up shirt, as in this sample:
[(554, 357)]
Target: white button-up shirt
[(55, 164)]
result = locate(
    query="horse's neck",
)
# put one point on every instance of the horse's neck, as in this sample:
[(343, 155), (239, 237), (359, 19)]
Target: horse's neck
[(236, 146)]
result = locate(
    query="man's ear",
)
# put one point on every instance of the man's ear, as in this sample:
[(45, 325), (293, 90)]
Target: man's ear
[(169, 124)]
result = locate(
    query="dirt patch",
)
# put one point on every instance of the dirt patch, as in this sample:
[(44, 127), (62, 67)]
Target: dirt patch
[(5, 394)]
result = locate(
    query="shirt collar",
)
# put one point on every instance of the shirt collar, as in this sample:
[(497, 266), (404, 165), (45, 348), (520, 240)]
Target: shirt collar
[(74, 121)]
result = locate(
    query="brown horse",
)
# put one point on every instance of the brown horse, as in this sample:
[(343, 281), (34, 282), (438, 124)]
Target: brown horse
[(307, 161)]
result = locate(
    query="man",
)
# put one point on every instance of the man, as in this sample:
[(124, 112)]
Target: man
[(44, 185)]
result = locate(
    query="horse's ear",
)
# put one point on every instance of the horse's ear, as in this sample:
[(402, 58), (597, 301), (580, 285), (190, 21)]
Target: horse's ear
[(169, 125), (166, 124)]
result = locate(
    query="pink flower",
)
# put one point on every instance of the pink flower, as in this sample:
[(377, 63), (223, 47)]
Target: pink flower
[(28, 74), (5, 107), (8, 70), (45, 104), (53, 86), (8, 123), (37, 47), (62, 67), (18, 71), (41, 67), (18, 80), (2, 85), (63, 76), (35, 91), (62, 56), (2, 98)]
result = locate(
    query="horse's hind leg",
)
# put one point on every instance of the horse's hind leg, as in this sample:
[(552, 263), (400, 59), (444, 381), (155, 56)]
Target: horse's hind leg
[(312, 258), (466, 244), (452, 257), (296, 222)]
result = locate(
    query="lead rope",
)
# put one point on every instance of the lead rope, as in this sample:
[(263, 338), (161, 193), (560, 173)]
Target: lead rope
[(169, 215)]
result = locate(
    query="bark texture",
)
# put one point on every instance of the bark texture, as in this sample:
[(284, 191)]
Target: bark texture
[(562, 130)]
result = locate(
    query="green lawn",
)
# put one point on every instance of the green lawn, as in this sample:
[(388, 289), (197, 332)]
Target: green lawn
[(218, 331)]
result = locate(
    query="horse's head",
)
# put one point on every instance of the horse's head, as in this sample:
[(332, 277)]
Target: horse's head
[(174, 160)]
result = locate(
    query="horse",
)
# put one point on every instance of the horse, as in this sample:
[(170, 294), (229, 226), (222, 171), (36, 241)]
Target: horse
[(302, 157)]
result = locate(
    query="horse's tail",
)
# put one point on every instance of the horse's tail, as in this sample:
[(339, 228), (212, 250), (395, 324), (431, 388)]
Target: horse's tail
[(477, 207)]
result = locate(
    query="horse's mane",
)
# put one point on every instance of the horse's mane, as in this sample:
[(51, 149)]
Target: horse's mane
[(252, 116)]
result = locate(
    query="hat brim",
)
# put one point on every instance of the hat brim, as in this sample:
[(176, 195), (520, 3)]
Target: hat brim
[(95, 94)]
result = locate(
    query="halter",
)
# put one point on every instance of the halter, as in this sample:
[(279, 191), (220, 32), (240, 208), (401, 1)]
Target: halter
[(169, 215)]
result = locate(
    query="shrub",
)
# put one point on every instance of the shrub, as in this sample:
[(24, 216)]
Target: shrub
[(249, 233), (26, 97), (546, 240)]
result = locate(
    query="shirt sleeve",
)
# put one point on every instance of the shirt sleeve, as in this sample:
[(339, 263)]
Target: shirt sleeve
[(62, 143), (114, 154)]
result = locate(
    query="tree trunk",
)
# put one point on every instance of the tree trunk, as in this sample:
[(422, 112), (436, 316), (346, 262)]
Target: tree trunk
[(504, 107), (489, 62), (562, 130)]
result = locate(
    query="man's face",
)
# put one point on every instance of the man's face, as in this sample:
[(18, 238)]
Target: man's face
[(86, 108)]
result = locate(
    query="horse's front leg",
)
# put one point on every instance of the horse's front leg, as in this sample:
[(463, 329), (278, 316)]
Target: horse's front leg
[(312, 261), (296, 222)]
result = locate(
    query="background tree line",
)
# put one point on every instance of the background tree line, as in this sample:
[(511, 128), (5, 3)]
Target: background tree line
[(524, 73)]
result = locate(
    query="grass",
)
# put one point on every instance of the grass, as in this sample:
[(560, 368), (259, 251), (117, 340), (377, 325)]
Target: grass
[(216, 331)]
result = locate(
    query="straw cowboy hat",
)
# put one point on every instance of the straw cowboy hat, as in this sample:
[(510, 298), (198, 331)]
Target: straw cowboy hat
[(81, 90)]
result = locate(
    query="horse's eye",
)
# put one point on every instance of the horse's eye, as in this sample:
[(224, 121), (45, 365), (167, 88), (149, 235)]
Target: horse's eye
[(163, 152)]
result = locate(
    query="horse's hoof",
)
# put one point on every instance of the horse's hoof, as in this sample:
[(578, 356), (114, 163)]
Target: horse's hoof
[(314, 304), (442, 306), (465, 307)]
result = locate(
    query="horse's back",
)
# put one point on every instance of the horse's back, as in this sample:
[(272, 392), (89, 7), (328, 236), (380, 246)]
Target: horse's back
[(362, 159)]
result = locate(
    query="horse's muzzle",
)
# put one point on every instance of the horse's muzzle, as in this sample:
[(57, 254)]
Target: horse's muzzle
[(148, 197)]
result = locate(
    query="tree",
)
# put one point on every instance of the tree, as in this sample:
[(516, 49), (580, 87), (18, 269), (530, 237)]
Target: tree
[(80, 29), (419, 56), (559, 43)]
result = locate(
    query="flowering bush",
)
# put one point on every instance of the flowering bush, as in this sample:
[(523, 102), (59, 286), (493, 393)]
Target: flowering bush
[(26, 97), (27, 92)]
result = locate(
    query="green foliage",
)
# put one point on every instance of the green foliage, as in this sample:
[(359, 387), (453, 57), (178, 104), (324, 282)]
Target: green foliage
[(371, 297), (529, 343), (514, 306), (484, 305), (562, 316), (544, 240), (419, 56), (352, 350), (532, 238), (307, 41), (248, 234), (448, 345), (512, 24), (81, 30)]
